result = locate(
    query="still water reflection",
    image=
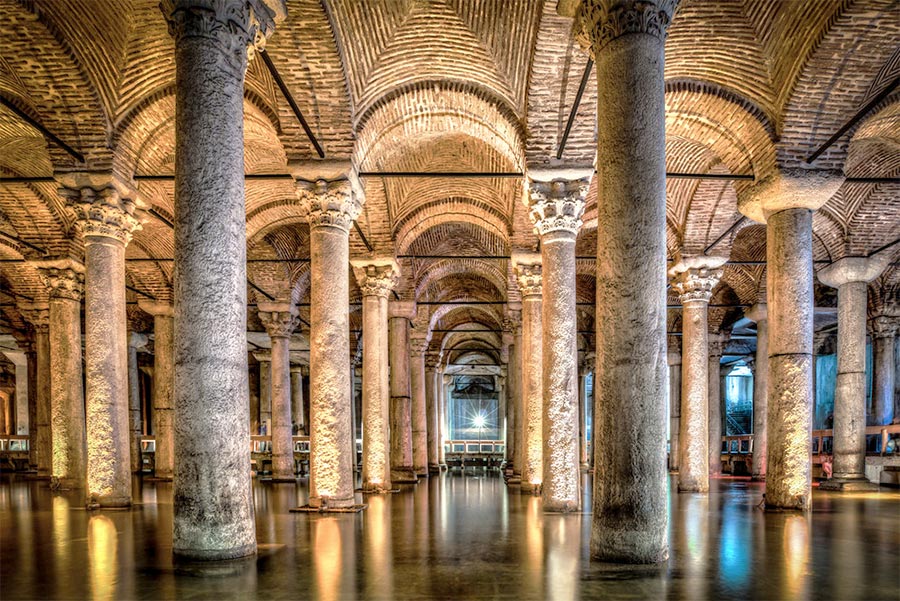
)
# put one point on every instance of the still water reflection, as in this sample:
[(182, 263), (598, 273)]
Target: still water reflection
[(451, 537)]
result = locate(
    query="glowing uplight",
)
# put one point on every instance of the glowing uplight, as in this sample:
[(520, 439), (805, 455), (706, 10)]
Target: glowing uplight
[(479, 421)]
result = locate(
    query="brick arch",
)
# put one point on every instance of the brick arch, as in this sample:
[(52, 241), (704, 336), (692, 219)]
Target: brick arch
[(439, 270), (451, 316), (484, 224)]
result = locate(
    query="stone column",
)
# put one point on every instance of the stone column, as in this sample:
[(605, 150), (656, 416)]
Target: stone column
[(785, 201), (38, 315), (851, 277), (883, 362), (585, 369), (555, 208), (65, 280), (432, 411), (759, 313), (376, 279), (163, 386), (528, 277), (512, 326), (332, 199), (298, 415), (280, 319), (402, 472), (626, 41), (264, 423), (213, 503), (18, 405), (417, 347), (673, 359), (444, 382), (105, 216), (716, 346), (135, 341), (693, 280)]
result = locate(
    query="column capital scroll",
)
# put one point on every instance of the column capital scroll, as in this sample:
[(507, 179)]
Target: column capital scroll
[(528, 274), (376, 277), (717, 343), (279, 319), (104, 206), (599, 22), (693, 278), (36, 314), (885, 326), (64, 278), (557, 206)]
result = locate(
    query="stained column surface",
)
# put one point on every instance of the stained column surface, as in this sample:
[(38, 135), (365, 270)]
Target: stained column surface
[(716, 346), (163, 386), (528, 273), (213, 506), (759, 314), (884, 367), (38, 315), (280, 319), (431, 412), (401, 405), (851, 276), (135, 341), (376, 280), (629, 513), (515, 403), (265, 392), (297, 413), (673, 360), (418, 409)]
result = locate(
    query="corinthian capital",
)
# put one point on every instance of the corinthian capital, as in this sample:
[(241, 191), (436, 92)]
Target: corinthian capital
[(599, 22), (102, 212), (376, 277), (694, 278), (528, 274), (37, 314), (557, 206), (883, 326), (279, 319), (64, 278), (329, 203)]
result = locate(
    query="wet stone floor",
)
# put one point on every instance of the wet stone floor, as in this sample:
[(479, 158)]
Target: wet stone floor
[(451, 537)]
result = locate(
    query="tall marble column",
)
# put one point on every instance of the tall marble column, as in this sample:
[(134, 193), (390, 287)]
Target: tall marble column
[(673, 360), (512, 325), (716, 346), (332, 199), (280, 319), (163, 386), (444, 382), (105, 217), (884, 367), (555, 208), (431, 411), (851, 277), (785, 201), (528, 277), (626, 41), (759, 313), (264, 424), (213, 503), (376, 279), (38, 315), (417, 347), (135, 341), (298, 415), (693, 280), (65, 280), (402, 472)]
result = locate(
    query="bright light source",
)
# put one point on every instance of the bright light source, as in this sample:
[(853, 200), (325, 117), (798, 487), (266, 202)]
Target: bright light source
[(479, 420)]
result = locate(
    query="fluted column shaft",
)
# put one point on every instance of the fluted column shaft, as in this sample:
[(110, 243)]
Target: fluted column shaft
[(528, 271), (280, 319), (716, 343), (401, 402), (418, 408), (759, 314), (884, 368), (38, 315)]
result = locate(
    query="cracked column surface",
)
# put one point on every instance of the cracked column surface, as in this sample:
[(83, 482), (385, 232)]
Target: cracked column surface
[(716, 346), (65, 281), (693, 279), (555, 208), (213, 504), (851, 277), (402, 472), (626, 41), (885, 330), (759, 313), (785, 200), (105, 217), (376, 279), (332, 200), (135, 341), (431, 411), (528, 277), (297, 414), (417, 347), (163, 386), (280, 319), (38, 315), (673, 360)]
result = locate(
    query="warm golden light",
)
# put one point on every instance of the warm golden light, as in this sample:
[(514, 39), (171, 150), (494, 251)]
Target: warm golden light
[(796, 553), (327, 558), (102, 543)]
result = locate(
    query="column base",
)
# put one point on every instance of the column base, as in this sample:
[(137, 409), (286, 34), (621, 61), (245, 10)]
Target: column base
[(378, 490), (758, 478), (327, 509), (155, 478), (404, 476), (434, 468), (109, 503), (37, 476), (443, 467), (514, 480), (848, 485), (281, 479), (534, 489), (57, 483), (561, 506), (214, 554), (421, 475)]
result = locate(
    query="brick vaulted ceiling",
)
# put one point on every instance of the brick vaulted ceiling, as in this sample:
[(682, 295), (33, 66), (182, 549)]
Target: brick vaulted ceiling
[(453, 85)]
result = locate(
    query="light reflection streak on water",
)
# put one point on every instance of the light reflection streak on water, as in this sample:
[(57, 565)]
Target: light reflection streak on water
[(102, 551)]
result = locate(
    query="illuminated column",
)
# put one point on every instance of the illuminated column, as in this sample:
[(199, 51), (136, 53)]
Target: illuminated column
[(38, 315), (759, 313), (65, 280), (626, 41), (693, 279), (716, 346), (105, 216), (513, 325), (785, 201), (332, 199), (673, 359), (432, 411), (213, 503), (298, 416), (417, 347), (18, 405), (851, 277), (883, 390), (264, 413), (528, 276), (402, 472), (376, 279), (163, 386), (280, 319), (135, 341), (584, 370), (555, 208)]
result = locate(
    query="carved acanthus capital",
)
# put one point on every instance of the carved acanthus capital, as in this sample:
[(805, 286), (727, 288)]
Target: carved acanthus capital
[(528, 275), (376, 277), (885, 326), (693, 278), (102, 212), (557, 206), (37, 314), (599, 22), (279, 319), (512, 322), (329, 203), (64, 278), (717, 344)]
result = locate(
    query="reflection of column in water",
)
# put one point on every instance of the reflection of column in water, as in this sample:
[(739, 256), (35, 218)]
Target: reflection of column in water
[(534, 544), (102, 540), (796, 556), (333, 557), (61, 544), (847, 552), (695, 552), (563, 556), (378, 558), (735, 550), (423, 532)]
